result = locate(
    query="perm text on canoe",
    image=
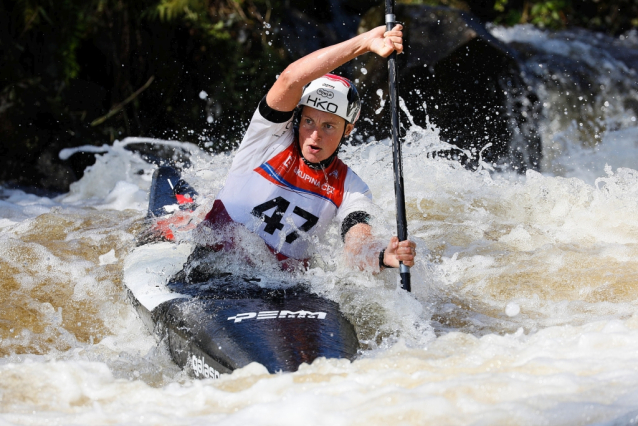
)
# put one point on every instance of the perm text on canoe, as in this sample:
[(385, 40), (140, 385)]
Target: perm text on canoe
[(277, 314)]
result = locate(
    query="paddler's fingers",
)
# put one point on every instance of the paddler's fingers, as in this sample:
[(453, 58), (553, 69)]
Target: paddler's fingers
[(408, 243), (408, 247), (395, 32), (405, 247), (382, 45), (394, 45), (404, 251), (395, 38)]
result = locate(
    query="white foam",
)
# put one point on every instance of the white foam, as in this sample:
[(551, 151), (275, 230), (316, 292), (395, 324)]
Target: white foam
[(17, 206), (512, 309), (108, 258)]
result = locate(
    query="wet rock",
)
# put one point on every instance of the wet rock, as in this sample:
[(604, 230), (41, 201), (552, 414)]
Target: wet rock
[(464, 80), (587, 81)]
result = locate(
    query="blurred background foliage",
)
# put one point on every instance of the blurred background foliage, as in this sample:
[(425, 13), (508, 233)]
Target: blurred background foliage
[(75, 72)]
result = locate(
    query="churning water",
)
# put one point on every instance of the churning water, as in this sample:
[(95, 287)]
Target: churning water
[(525, 300)]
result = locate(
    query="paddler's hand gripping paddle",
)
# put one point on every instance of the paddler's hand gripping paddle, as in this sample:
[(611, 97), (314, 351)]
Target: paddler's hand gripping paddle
[(402, 225)]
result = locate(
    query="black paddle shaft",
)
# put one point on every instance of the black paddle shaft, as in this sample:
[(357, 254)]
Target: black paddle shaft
[(402, 224)]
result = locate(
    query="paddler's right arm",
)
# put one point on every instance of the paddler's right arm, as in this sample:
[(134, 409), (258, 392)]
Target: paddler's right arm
[(363, 249), (366, 252), (287, 90)]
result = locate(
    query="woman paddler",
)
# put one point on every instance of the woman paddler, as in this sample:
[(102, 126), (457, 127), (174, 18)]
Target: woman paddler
[(286, 182)]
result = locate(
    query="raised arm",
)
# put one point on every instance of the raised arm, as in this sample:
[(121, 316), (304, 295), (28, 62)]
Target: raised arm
[(287, 90)]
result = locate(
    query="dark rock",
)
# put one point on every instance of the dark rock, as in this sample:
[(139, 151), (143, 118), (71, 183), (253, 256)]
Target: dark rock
[(310, 25), (588, 82), (466, 81)]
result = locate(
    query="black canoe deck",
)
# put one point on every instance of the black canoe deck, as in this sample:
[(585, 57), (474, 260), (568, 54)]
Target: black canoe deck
[(227, 322)]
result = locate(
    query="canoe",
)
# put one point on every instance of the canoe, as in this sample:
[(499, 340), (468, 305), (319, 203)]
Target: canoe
[(224, 322)]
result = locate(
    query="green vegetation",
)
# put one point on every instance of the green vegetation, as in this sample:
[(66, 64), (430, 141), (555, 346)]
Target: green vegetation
[(610, 16)]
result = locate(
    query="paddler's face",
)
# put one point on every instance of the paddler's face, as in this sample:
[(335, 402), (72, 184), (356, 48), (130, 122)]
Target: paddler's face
[(320, 133)]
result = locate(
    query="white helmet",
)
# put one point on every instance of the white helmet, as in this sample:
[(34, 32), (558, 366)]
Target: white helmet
[(333, 94)]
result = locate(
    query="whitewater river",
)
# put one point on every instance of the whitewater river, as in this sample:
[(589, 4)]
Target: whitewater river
[(525, 297)]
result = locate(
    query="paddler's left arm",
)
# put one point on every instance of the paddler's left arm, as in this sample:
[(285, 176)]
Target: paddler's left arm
[(286, 92), (365, 251)]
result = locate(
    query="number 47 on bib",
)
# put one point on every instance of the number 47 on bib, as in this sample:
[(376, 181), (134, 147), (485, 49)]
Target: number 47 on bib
[(274, 221)]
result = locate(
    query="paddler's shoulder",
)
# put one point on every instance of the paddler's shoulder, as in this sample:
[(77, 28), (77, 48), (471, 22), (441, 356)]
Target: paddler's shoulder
[(341, 171), (351, 180)]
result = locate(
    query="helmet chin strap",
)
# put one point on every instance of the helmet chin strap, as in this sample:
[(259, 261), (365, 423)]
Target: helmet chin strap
[(323, 164)]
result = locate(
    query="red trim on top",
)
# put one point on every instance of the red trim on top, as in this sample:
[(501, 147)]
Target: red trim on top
[(335, 77), (290, 167)]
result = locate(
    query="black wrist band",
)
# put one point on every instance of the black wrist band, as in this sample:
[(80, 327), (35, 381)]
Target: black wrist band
[(381, 262)]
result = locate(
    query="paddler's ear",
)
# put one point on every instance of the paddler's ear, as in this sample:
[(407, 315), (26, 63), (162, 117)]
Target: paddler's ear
[(349, 129)]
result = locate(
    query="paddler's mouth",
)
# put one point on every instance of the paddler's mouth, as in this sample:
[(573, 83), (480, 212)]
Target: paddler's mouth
[(314, 149)]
